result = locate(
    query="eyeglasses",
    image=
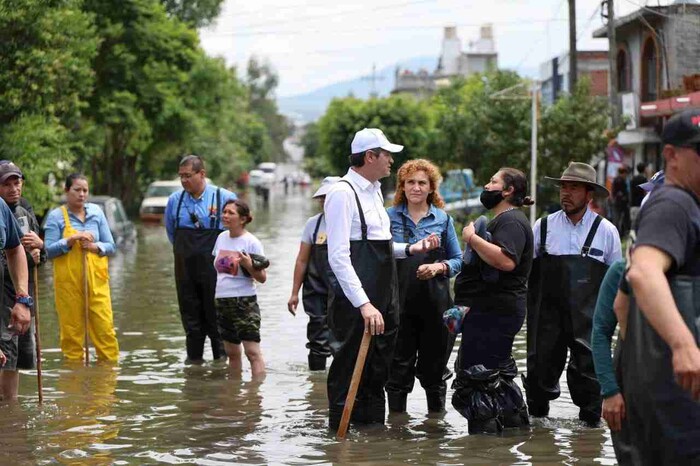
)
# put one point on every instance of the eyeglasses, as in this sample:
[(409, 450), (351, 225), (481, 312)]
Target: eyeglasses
[(187, 176)]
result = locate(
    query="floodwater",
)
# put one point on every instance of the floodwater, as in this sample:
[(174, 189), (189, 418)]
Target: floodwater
[(152, 409)]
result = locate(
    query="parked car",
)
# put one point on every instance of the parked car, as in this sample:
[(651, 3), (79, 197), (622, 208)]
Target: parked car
[(460, 193), (122, 228), (156, 199)]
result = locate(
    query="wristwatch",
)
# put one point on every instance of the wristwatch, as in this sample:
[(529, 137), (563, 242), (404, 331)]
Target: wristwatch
[(25, 299), (408, 250)]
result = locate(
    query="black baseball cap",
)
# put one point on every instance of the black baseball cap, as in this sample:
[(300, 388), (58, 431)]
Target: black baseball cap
[(8, 170), (682, 129)]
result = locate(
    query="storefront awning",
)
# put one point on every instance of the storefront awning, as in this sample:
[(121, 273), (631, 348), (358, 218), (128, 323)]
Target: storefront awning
[(667, 107)]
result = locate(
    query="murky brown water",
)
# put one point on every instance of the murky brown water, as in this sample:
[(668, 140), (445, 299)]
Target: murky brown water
[(152, 409)]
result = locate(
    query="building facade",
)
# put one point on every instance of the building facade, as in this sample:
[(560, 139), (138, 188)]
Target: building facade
[(554, 74), (658, 73), (480, 57)]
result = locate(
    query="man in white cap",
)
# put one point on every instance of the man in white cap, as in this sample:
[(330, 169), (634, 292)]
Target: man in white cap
[(363, 294), (311, 270), (573, 249)]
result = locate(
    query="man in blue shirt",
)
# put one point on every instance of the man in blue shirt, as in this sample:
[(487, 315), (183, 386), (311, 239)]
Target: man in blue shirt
[(20, 317), (193, 222)]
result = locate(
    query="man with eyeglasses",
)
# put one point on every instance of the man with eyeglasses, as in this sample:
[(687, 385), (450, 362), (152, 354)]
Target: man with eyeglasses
[(193, 222), (661, 358)]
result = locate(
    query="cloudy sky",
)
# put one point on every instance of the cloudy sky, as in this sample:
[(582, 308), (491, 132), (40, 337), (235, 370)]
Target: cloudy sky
[(312, 43)]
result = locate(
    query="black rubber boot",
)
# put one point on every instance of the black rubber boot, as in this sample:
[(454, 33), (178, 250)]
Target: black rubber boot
[(397, 402), (590, 418), (436, 400), (317, 363), (538, 408), (489, 426)]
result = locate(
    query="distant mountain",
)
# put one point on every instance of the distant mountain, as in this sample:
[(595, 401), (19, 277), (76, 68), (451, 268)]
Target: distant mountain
[(312, 105)]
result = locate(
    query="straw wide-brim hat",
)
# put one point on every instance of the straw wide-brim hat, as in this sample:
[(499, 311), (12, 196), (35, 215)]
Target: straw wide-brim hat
[(581, 173)]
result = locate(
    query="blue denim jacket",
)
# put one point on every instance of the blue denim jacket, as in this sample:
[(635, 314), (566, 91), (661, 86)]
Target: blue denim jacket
[(434, 222)]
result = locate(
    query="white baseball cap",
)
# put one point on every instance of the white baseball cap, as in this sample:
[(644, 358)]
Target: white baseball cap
[(371, 138), (326, 185)]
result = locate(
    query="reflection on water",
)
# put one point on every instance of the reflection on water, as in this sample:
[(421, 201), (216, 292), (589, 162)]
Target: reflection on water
[(154, 409)]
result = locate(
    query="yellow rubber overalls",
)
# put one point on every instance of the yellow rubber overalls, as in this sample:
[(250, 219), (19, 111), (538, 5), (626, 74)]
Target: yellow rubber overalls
[(69, 291)]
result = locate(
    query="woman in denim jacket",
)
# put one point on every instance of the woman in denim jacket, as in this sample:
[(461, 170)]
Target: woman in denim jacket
[(424, 343)]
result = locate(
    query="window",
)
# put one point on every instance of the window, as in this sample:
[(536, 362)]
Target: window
[(650, 63), (623, 71)]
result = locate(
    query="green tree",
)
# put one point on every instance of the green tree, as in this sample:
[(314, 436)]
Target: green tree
[(262, 81), (46, 52), (477, 128), (196, 13), (403, 119), (573, 129)]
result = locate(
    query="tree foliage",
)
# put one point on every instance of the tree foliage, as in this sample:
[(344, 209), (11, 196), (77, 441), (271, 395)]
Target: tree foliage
[(402, 119), (195, 13), (121, 89), (483, 122)]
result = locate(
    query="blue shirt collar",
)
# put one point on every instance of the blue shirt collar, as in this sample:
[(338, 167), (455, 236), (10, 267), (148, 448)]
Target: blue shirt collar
[(403, 209)]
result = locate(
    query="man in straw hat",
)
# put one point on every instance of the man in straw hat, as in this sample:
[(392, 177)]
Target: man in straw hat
[(661, 357), (573, 249)]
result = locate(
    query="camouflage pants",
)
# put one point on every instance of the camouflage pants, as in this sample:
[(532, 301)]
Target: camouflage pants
[(238, 319)]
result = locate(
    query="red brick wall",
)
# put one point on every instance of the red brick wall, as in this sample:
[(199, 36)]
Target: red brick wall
[(599, 82)]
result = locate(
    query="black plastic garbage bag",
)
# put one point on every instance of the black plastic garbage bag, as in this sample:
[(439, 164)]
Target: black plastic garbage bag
[(475, 397)]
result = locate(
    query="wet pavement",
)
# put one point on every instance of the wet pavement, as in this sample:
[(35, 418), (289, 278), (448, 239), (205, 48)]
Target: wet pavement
[(152, 409)]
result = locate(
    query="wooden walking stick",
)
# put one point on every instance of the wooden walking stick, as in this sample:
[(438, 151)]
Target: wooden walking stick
[(37, 340), (354, 384), (87, 306)]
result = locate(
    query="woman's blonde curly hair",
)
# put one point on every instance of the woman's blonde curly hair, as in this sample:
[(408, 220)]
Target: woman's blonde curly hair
[(411, 167)]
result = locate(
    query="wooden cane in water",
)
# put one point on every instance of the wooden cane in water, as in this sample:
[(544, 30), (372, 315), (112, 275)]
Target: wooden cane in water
[(87, 306), (354, 384), (37, 339)]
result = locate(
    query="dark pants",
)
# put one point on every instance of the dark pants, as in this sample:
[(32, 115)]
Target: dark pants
[(195, 293), (421, 348), (317, 332), (485, 391), (487, 339)]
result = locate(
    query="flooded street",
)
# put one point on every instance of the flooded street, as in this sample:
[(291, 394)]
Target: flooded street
[(153, 409)]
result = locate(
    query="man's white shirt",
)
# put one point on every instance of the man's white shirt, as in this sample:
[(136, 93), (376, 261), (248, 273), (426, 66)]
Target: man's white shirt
[(343, 225), (565, 238)]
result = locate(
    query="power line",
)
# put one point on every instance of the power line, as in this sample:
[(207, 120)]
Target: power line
[(537, 43), (679, 18), (374, 28), (336, 14)]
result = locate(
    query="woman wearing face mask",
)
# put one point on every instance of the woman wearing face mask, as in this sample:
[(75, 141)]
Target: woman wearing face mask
[(424, 344), (494, 287)]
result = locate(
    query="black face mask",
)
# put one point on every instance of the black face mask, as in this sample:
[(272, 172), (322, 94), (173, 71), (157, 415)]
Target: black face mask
[(491, 199)]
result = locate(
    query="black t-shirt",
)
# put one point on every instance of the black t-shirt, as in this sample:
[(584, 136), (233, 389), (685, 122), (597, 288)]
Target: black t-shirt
[(670, 221), (637, 193), (512, 232)]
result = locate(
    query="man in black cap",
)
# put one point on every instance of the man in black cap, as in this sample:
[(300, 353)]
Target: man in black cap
[(661, 359), (19, 349), (573, 249)]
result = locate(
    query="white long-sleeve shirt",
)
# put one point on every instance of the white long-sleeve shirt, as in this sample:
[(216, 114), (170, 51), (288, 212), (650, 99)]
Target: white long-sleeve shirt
[(565, 238), (343, 225)]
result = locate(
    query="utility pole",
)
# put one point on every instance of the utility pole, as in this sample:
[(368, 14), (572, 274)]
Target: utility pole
[(612, 58), (533, 152), (573, 62), (373, 78)]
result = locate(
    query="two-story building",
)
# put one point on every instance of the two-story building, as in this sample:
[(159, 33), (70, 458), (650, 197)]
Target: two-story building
[(554, 74), (658, 72), (480, 57)]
